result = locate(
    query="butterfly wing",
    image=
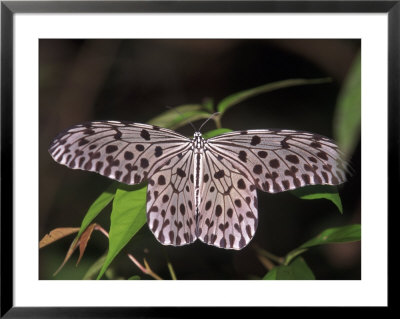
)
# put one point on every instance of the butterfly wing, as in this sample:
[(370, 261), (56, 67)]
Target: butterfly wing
[(125, 151), (232, 166), (131, 153), (280, 160), (228, 204), (170, 206), (236, 163)]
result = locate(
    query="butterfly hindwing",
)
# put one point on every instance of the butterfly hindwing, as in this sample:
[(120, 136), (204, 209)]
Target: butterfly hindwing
[(170, 201), (228, 204)]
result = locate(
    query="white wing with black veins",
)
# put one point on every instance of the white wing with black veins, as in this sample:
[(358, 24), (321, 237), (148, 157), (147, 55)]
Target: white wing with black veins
[(228, 205), (200, 188), (280, 160), (237, 163), (125, 151)]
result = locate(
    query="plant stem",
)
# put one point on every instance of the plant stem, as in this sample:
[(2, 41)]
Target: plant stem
[(151, 272), (262, 252), (138, 264), (217, 120), (171, 271), (169, 264), (279, 260), (146, 269), (101, 229), (266, 262)]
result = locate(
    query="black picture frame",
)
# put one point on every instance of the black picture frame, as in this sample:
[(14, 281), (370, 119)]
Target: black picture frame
[(9, 8)]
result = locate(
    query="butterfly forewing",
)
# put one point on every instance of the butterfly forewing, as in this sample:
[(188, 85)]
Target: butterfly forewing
[(280, 160), (124, 151)]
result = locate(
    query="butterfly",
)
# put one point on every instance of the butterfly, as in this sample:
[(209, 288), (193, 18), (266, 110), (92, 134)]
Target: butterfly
[(201, 188)]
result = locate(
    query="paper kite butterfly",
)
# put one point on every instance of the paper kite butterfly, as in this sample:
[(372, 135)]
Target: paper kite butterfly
[(201, 188)]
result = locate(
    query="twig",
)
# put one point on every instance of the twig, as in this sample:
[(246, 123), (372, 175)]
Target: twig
[(169, 264), (98, 227), (150, 272), (145, 269), (217, 120), (262, 252), (138, 264), (171, 271), (266, 262)]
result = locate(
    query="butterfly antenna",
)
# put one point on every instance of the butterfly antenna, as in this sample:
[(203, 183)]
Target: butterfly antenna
[(179, 113), (212, 115)]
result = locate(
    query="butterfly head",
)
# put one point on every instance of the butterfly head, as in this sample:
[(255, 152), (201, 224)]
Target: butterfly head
[(198, 142)]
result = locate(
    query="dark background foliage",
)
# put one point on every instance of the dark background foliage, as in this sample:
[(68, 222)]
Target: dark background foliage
[(86, 80)]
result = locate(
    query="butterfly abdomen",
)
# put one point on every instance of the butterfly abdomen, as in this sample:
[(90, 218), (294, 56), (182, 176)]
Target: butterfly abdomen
[(198, 150)]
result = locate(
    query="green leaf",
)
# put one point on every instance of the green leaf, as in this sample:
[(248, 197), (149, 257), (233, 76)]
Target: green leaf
[(135, 277), (347, 118), (236, 98), (94, 268), (320, 191), (208, 104), (180, 116), (216, 132), (127, 217), (297, 270), (348, 233), (98, 205)]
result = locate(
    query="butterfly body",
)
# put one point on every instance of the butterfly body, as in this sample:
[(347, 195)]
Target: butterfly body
[(201, 188), (198, 149)]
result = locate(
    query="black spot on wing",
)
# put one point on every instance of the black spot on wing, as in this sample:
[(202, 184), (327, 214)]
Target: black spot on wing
[(274, 163), (111, 149), (158, 151), (243, 156), (219, 174), (145, 135), (181, 172), (255, 140), (140, 147), (262, 154), (128, 155), (292, 159)]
